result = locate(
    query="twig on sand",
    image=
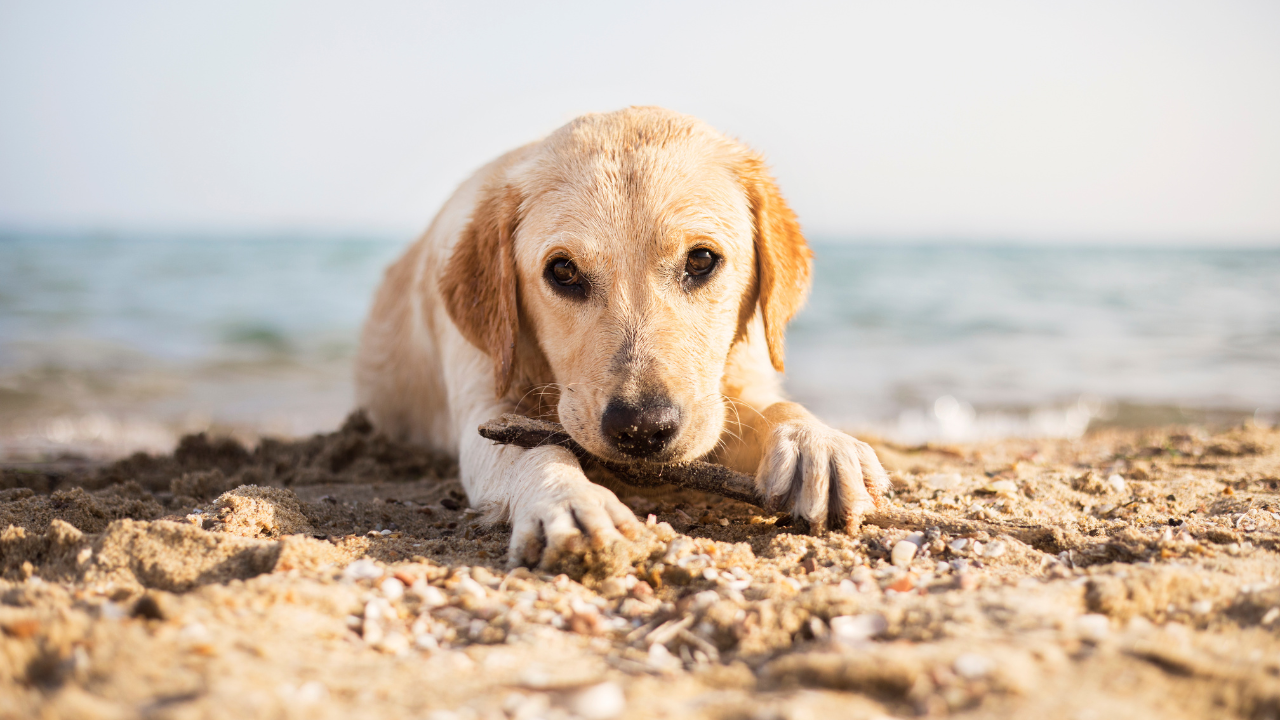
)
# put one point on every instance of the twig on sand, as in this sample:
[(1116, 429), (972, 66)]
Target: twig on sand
[(707, 477), (719, 480)]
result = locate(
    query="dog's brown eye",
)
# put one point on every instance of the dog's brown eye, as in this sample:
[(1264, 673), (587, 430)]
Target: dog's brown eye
[(564, 272), (700, 262)]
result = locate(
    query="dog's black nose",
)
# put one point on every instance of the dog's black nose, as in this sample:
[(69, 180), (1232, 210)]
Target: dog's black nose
[(640, 430)]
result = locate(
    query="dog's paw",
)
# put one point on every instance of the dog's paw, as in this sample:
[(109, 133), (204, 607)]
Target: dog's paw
[(821, 475), (563, 521)]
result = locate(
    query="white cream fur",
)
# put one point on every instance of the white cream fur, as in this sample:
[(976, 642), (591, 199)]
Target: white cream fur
[(627, 215)]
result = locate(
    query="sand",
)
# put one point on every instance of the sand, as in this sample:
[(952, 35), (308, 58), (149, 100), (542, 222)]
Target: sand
[(1127, 574)]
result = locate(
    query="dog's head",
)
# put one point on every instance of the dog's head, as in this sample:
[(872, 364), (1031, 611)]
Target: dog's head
[(624, 256)]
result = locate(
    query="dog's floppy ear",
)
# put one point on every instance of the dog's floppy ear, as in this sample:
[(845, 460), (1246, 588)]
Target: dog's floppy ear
[(479, 281), (783, 260)]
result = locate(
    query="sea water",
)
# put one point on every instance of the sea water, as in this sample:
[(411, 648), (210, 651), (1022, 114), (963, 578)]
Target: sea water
[(102, 332)]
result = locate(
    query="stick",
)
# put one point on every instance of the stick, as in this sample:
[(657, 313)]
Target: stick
[(696, 475), (719, 480)]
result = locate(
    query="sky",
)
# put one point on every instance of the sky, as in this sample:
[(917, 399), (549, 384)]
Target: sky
[(1142, 122)]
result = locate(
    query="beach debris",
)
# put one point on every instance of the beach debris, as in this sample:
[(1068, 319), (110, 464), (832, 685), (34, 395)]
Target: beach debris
[(972, 666), (943, 481), (904, 551), (994, 549), (362, 569), (853, 630), (597, 702)]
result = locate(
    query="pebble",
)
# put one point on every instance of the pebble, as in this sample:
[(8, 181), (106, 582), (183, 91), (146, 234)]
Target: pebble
[(1116, 484), (392, 589), (958, 545), (856, 629), (904, 552), (972, 666), (903, 584), (1093, 627), (661, 659), (482, 575), (394, 643), (994, 549), (362, 569), (1271, 616), (614, 587), (1006, 488), (597, 702), (518, 706), (432, 596), (943, 481)]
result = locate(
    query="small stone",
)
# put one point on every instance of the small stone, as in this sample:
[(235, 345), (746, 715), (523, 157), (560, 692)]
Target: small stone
[(1006, 488), (943, 481), (1202, 607), (394, 643), (1093, 627), (362, 569), (1271, 616), (1116, 484), (856, 629), (903, 584), (661, 659), (311, 693), (972, 666), (994, 549), (597, 702), (482, 575), (371, 631), (943, 568), (613, 588), (903, 553), (959, 545), (704, 600), (431, 596), (392, 589)]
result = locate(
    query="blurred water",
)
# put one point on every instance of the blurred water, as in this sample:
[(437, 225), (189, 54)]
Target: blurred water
[(924, 334), (915, 342)]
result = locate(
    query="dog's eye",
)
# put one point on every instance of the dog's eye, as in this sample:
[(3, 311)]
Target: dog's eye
[(700, 262), (564, 273)]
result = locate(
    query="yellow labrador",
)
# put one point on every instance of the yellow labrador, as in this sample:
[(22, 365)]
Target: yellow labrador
[(631, 275)]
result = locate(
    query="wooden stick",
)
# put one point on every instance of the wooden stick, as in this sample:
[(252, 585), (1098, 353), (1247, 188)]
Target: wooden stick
[(719, 480), (696, 475)]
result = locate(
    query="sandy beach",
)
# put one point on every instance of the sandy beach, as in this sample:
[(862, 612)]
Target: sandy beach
[(1125, 574)]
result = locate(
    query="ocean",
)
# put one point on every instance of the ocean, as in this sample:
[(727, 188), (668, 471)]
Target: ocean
[(112, 342)]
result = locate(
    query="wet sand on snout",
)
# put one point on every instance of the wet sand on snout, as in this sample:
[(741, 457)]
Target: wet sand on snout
[(1131, 573)]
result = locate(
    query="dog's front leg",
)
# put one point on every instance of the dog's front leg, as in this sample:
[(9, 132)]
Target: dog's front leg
[(820, 474), (553, 509)]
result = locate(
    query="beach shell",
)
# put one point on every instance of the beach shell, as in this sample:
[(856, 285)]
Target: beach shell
[(904, 552)]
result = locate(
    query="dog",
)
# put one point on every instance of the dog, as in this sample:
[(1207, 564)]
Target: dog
[(630, 276)]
